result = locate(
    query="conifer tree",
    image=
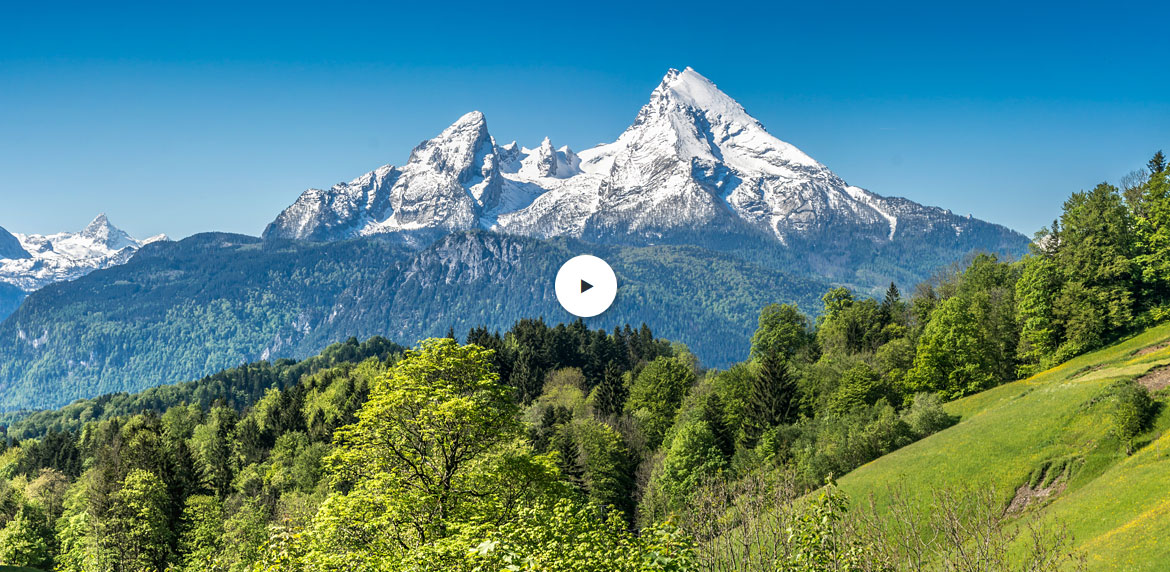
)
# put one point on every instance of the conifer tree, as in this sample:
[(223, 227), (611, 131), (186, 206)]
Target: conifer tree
[(890, 303), (714, 417), (569, 459), (611, 392), (1157, 164), (773, 396)]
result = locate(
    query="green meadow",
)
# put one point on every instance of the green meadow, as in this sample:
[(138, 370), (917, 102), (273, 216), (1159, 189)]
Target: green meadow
[(1055, 426)]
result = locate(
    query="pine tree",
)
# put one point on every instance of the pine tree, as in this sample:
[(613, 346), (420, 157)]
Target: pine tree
[(527, 377), (893, 296), (773, 397), (1157, 164), (1096, 265), (569, 459), (713, 416), (645, 344), (890, 304), (611, 392)]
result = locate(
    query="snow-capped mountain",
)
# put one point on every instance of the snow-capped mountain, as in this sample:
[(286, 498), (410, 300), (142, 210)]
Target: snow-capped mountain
[(694, 165), (39, 260)]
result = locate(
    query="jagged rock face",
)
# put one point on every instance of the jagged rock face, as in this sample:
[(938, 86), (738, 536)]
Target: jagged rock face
[(693, 164), (342, 211), (448, 184), (448, 181), (10, 247), (66, 255)]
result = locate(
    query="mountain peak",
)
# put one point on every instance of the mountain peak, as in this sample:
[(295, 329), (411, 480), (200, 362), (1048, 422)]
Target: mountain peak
[(100, 220), (36, 260), (470, 119), (102, 231), (456, 145), (99, 227), (688, 88)]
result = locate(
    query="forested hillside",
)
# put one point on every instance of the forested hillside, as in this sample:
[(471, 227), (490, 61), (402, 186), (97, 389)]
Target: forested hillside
[(237, 388), (10, 298), (183, 310), (569, 448), (175, 312)]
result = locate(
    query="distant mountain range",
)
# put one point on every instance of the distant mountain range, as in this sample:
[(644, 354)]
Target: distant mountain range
[(693, 168), (31, 261)]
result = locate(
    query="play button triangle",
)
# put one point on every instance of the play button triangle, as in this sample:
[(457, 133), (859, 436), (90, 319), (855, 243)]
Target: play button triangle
[(585, 286)]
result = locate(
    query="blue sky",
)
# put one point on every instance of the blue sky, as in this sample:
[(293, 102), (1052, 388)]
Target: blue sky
[(181, 119)]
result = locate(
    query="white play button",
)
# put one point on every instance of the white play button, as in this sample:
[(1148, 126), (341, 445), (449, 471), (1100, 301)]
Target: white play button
[(586, 286)]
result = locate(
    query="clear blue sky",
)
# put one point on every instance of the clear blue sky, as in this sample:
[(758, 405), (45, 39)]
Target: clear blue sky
[(181, 119)]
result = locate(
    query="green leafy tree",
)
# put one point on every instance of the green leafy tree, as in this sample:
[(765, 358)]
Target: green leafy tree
[(656, 395), (202, 532), (569, 537), (136, 528), (989, 287), (24, 540), (211, 444), (836, 300), (1036, 297), (819, 539), (860, 386), (432, 448), (1133, 412), (953, 358), (694, 457), (858, 327), (1153, 231), (782, 331), (607, 466)]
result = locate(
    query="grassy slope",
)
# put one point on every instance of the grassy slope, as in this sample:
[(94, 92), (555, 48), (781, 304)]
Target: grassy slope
[(1116, 506)]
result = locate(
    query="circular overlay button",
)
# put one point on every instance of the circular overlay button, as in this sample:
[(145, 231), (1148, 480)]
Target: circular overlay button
[(586, 286)]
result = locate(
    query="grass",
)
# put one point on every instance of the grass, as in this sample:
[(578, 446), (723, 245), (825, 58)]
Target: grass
[(1116, 505)]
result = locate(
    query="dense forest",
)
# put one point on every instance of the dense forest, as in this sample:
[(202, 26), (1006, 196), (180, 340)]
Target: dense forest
[(564, 448), (180, 311)]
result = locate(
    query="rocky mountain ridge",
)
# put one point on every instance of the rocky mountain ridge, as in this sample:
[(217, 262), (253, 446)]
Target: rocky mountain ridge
[(693, 167)]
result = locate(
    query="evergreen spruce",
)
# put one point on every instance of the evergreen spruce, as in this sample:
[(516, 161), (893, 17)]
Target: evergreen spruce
[(611, 392), (1157, 164)]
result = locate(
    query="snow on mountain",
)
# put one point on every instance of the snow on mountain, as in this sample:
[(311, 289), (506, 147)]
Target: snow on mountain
[(67, 255), (694, 162)]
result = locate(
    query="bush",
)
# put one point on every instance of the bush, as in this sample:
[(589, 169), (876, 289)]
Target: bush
[(926, 416)]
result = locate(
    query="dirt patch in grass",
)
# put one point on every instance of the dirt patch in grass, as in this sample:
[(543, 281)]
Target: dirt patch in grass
[(1158, 378), (1151, 349), (1045, 482), (1028, 495)]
